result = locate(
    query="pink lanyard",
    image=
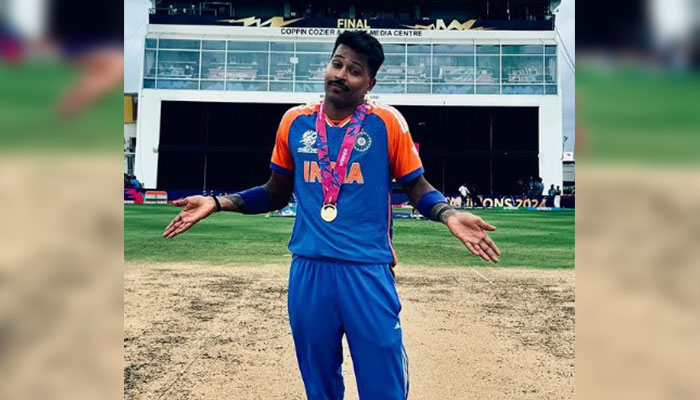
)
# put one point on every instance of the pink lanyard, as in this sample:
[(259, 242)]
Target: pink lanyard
[(332, 178)]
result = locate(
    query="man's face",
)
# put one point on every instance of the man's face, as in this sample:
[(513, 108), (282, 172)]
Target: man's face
[(347, 77)]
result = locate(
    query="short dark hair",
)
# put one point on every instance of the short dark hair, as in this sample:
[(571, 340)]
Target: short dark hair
[(365, 44)]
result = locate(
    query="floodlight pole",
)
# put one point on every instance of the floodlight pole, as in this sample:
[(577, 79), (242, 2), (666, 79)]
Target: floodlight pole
[(491, 152)]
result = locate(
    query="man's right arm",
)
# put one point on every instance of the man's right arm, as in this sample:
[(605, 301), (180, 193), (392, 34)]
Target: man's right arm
[(278, 190), (273, 195)]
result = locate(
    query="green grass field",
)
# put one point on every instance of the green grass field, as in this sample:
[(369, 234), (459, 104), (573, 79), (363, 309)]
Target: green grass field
[(637, 115), (29, 97), (537, 239)]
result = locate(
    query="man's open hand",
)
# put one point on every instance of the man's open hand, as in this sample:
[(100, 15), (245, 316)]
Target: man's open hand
[(470, 229), (196, 209)]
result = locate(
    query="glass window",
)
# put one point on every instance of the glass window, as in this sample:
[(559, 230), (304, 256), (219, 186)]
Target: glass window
[(418, 69), (522, 69), (247, 46), (282, 46), (453, 89), (177, 84), (179, 44), (453, 49), (487, 49), (213, 65), (418, 88), (212, 85), (247, 86), (149, 63), (281, 67), (316, 47), (308, 87), (281, 87), (393, 70), (419, 48), (213, 45), (487, 70), (522, 89), (394, 48), (246, 67), (389, 88), (311, 67), (453, 69), (523, 49), (178, 64), (408, 68), (487, 89), (550, 69)]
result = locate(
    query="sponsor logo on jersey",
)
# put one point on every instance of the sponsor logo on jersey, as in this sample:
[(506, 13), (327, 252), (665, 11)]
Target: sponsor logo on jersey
[(308, 139), (353, 173), (363, 141)]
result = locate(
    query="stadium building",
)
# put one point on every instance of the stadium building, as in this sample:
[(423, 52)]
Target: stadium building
[(477, 81)]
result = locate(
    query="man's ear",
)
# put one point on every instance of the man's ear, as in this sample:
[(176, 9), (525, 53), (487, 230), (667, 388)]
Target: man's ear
[(372, 82)]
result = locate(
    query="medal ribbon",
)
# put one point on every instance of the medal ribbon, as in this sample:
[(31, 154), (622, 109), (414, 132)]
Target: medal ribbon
[(332, 178)]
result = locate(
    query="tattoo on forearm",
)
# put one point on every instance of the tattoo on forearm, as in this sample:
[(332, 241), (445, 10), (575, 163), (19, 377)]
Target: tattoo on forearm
[(446, 214), (442, 211), (233, 202)]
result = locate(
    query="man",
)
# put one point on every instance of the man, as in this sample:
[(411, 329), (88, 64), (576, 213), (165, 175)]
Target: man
[(463, 193), (557, 197), (550, 196), (538, 187), (341, 278)]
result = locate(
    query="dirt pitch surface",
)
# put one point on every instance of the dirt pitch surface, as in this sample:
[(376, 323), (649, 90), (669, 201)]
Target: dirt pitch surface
[(208, 332)]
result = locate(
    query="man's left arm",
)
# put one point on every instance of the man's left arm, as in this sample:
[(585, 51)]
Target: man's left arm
[(468, 228)]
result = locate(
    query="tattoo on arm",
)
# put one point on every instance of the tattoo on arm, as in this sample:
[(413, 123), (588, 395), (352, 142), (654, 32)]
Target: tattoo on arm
[(442, 211), (233, 202)]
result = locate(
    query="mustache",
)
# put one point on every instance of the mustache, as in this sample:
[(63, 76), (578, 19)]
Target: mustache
[(341, 84)]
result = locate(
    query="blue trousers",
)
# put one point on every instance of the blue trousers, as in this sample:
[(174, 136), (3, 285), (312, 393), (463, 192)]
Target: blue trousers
[(328, 299)]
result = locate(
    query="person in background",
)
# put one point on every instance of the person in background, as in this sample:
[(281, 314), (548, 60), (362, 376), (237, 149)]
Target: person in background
[(550, 196), (135, 183), (463, 193), (474, 195), (557, 197), (538, 187)]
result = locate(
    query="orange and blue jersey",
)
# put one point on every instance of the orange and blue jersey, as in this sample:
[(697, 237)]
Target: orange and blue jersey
[(383, 150)]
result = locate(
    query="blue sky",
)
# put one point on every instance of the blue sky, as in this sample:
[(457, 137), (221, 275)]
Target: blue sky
[(136, 18)]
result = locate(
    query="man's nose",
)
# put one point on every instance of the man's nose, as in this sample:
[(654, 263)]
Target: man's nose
[(341, 74)]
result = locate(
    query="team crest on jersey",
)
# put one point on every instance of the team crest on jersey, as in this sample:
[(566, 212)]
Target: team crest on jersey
[(308, 139), (363, 141)]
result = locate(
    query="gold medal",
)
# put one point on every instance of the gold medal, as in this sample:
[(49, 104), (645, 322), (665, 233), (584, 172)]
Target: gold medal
[(329, 212)]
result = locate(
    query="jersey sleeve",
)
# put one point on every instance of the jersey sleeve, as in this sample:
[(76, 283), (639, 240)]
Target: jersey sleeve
[(282, 160), (404, 160)]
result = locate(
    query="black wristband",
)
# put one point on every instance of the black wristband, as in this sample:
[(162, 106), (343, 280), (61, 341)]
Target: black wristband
[(218, 205), (440, 209)]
